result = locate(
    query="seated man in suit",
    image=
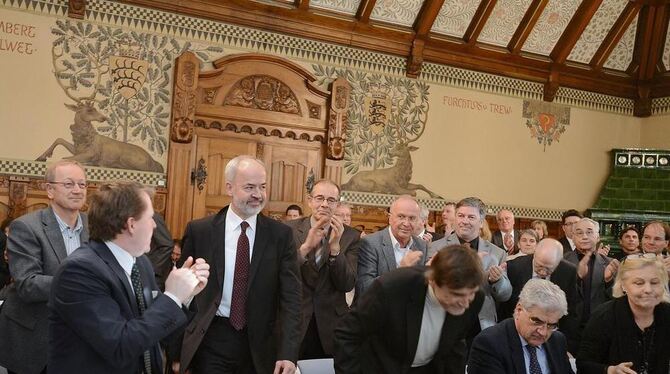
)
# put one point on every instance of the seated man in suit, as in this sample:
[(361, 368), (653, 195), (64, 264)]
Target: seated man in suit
[(327, 256), (470, 215), (546, 263), (568, 219), (506, 237), (528, 343), (414, 320), (595, 271), (393, 247), (101, 317)]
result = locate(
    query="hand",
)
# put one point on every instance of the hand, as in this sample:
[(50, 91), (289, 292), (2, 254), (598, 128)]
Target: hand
[(431, 228), (604, 249), (180, 281), (622, 368), (175, 367), (337, 229), (284, 367), (314, 237), (611, 269), (495, 273), (428, 237), (411, 258), (201, 270), (583, 266)]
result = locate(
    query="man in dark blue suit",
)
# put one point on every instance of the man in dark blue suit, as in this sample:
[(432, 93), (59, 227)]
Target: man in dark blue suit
[(529, 342), (107, 314)]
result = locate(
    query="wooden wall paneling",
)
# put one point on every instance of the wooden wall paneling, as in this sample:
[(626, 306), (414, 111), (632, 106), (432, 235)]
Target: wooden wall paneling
[(333, 171)]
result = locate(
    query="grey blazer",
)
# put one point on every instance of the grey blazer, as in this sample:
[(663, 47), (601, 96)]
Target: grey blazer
[(36, 250), (499, 291), (376, 257)]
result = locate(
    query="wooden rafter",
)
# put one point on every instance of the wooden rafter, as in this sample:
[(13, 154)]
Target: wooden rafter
[(526, 26), (365, 10), (426, 18), (574, 30), (478, 21), (303, 4), (650, 40), (614, 36)]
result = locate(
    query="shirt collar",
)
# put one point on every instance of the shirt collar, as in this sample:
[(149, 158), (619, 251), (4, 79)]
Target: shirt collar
[(125, 259), (396, 243), (234, 221), (524, 343), (432, 299), (64, 226)]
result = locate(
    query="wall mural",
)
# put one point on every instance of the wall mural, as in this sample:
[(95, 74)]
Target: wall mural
[(386, 115), (119, 82), (546, 121)]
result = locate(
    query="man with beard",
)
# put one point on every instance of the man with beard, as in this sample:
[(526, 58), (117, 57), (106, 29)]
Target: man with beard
[(248, 316), (327, 255)]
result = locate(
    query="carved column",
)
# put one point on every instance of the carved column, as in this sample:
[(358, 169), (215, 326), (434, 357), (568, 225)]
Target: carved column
[(184, 97), (338, 119)]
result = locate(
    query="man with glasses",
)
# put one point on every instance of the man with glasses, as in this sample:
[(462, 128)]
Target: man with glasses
[(393, 247), (529, 342), (546, 263), (39, 242), (568, 219), (327, 256)]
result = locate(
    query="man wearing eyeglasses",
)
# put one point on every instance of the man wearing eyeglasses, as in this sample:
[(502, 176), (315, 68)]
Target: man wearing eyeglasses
[(568, 219), (39, 242), (393, 247), (529, 342), (546, 263), (327, 255)]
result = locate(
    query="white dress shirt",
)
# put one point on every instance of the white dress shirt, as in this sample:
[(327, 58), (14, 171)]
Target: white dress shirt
[(431, 330), (399, 251)]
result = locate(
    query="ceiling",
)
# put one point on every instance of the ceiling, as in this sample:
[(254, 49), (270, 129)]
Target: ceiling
[(614, 47)]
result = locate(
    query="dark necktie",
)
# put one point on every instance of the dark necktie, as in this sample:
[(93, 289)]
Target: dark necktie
[(534, 365), (238, 302), (139, 297)]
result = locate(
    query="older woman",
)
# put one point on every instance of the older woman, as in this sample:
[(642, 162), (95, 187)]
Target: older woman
[(527, 242), (629, 335), (540, 228)]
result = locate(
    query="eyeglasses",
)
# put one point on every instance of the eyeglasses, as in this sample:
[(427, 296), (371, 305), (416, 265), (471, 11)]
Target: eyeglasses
[(319, 199), (540, 323), (70, 184)]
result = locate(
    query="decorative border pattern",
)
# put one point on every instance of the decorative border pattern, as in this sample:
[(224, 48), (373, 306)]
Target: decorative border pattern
[(594, 101), (52, 7), (383, 200), (93, 174), (642, 158), (660, 106)]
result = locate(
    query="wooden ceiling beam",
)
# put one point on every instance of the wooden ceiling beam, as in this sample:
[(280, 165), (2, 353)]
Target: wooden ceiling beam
[(478, 21), (526, 26), (574, 30), (422, 25), (365, 10), (650, 40), (303, 5), (615, 34)]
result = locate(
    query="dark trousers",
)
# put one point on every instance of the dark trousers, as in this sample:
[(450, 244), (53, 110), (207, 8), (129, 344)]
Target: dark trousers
[(223, 350), (311, 347)]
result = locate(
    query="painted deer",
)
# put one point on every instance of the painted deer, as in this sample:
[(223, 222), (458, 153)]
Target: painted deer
[(90, 148), (394, 180)]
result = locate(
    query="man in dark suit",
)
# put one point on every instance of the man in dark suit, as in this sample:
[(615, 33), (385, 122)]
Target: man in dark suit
[(327, 255), (393, 247), (38, 243), (506, 237), (107, 314), (528, 343), (248, 316), (546, 263), (414, 320), (568, 219), (595, 271), (160, 253)]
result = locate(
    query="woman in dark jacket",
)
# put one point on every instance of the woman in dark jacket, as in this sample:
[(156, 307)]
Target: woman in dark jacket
[(631, 333)]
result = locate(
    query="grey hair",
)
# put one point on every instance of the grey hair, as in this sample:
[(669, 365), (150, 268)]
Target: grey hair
[(474, 202), (423, 213), (595, 224), (544, 295), (234, 165)]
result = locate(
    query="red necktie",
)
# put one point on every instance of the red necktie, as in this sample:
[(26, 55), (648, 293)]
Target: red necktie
[(509, 242), (238, 302)]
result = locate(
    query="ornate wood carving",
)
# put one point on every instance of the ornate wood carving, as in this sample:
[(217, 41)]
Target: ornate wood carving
[(184, 98), (338, 119), (265, 93), (642, 106), (551, 87), (415, 59), (76, 9), (314, 110), (256, 129)]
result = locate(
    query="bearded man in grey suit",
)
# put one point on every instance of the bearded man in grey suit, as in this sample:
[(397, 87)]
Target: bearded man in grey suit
[(39, 242), (470, 214), (393, 247)]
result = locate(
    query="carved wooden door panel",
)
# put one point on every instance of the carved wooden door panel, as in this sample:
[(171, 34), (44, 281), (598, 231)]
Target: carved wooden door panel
[(209, 195)]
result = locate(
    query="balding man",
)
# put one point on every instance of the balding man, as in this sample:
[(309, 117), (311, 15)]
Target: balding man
[(506, 237), (393, 247), (546, 263)]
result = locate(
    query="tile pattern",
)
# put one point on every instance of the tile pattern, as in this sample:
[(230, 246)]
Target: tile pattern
[(660, 106), (51, 7), (597, 29), (454, 17), (399, 12), (343, 6), (550, 26), (594, 101), (502, 23), (622, 55)]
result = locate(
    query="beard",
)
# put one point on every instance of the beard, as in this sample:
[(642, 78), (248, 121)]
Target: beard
[(247, 208)]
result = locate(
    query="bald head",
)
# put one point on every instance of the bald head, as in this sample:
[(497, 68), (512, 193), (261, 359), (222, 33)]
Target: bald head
[(404, 215), (548, 255)]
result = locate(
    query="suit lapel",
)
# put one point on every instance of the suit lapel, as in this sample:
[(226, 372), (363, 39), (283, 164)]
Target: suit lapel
[(414, 319), (218, 246), (53, 233), (83, 238), (387, 250), (515, 347), (103, 251)]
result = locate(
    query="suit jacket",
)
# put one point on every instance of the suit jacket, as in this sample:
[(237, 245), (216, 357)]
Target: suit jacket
[(381, 333), (497, 240), (611, 337), (94, 322), (520, 271), (495, 292), (376, 257), (323, 288), (498, 350), (600, 291), (567, 248), (273, 289), (36, 250)]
